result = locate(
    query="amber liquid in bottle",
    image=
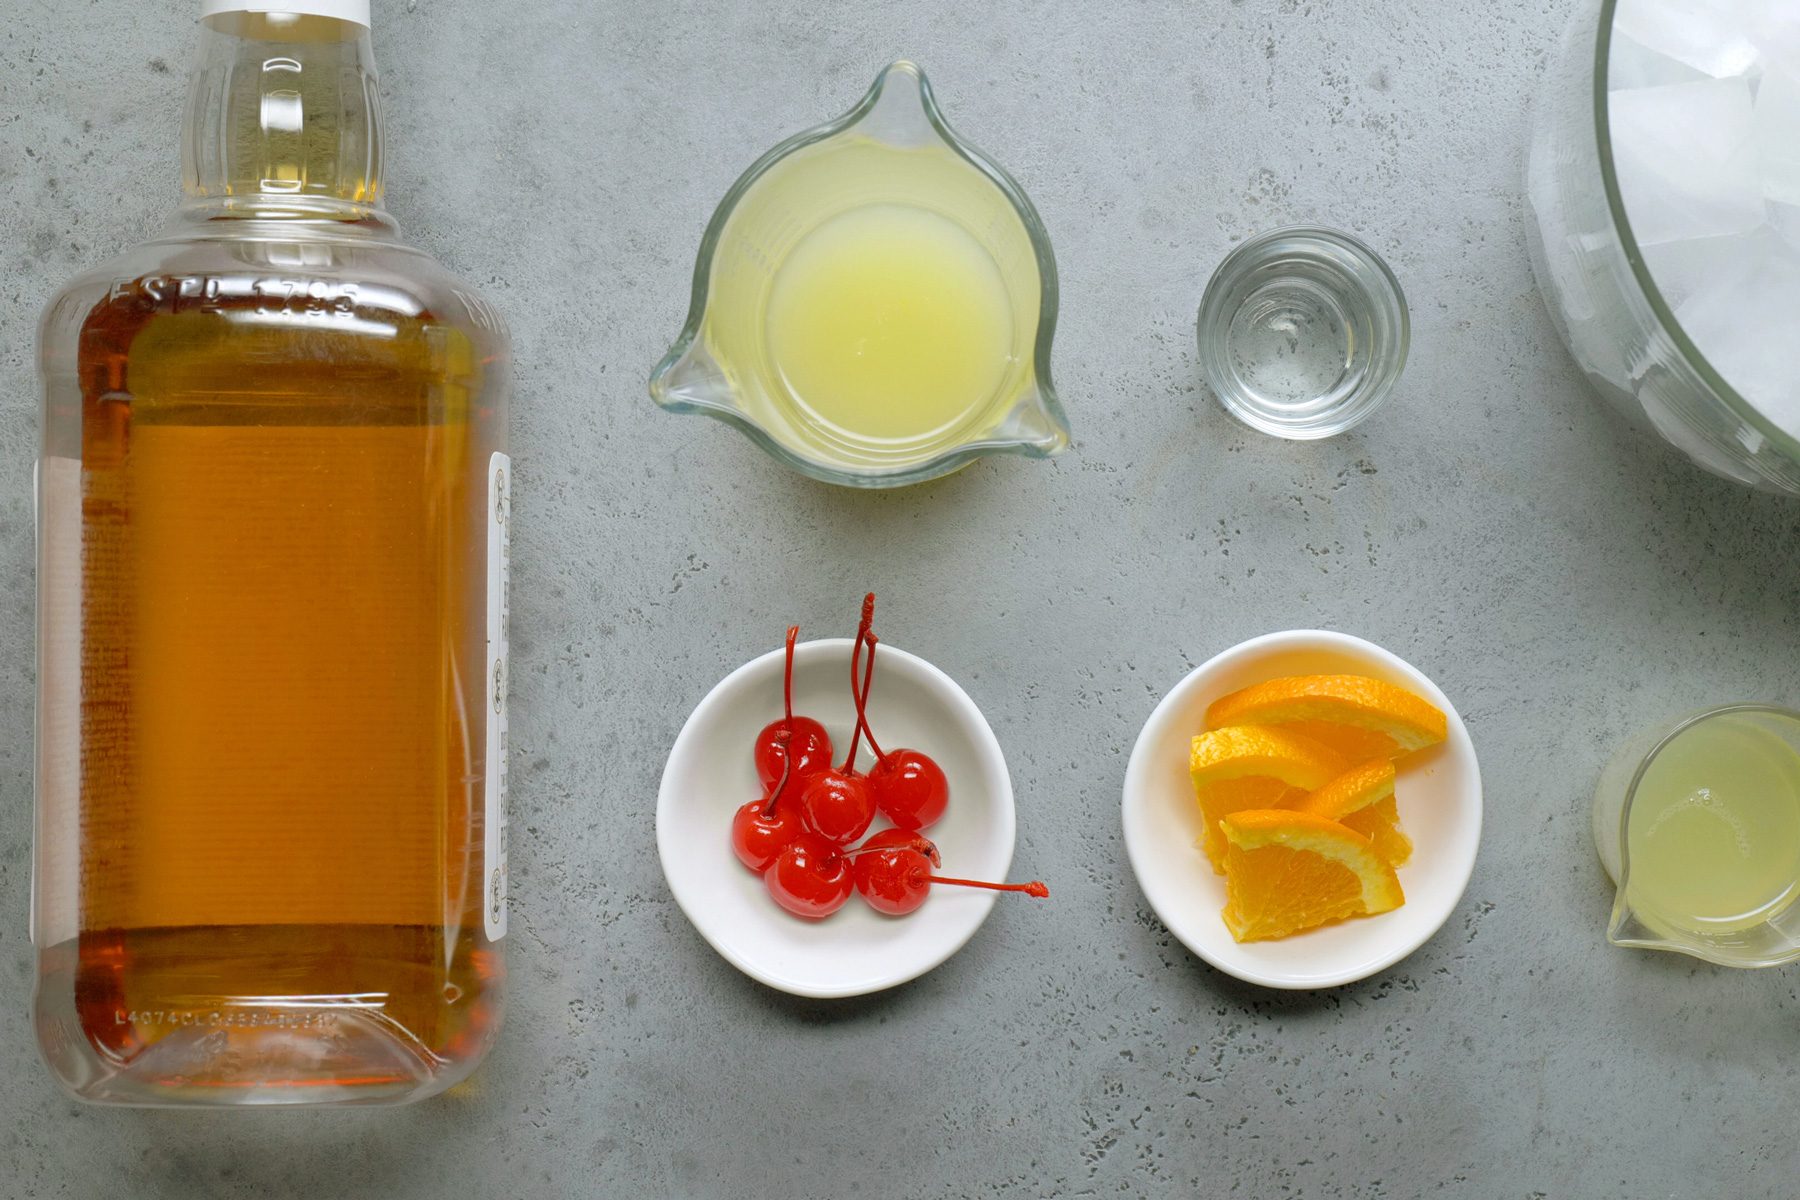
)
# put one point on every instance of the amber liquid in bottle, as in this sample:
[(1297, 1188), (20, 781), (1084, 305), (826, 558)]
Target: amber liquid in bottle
[(265, 869)]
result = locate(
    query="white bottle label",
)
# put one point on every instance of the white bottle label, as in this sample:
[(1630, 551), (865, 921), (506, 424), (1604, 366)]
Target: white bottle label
[(56, 874), (499, 571)]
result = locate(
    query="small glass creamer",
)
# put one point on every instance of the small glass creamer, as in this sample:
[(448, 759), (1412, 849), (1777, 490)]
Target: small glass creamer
[(1698, 822)]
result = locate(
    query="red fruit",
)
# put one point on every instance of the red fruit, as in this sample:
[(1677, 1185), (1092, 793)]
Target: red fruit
[(809, 747), (910, 788), (809, 878), (762, 827), (836, 805), (807, 743), (892, 871)]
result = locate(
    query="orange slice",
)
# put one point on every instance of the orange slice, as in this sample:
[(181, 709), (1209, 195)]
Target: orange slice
[(1235, 769), (1362, 799), (1234, 795), (1287, 871), (1380, 823), (1359, 717)]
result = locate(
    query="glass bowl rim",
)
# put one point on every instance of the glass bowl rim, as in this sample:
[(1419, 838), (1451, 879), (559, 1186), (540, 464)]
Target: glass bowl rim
[(1715, 382)]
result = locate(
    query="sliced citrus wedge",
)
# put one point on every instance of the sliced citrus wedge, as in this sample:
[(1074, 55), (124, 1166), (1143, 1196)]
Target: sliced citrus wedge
[(1287, 871), (1359, 787), (1235, 769), (1362, 799), (1359, 717), (1380, 823)]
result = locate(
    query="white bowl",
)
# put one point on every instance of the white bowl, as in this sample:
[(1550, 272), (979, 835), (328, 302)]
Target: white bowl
[(1438, 793), (710, 773)]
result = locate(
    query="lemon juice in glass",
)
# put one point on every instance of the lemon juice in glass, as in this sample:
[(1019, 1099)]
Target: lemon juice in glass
[(874, 302), (888, 322), (1699, 824)]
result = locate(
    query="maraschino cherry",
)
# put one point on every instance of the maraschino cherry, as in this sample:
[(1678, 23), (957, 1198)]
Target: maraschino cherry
[(908, 786), (807, 742), (892, 871), (836, 803), (810, 877), (762, 828), (795, 834)]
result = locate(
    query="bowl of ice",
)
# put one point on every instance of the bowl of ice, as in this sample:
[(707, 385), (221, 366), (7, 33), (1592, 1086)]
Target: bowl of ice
[(1664, 183)]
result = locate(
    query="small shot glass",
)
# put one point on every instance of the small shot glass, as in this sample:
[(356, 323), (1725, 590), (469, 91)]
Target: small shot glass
[(1302, 332)]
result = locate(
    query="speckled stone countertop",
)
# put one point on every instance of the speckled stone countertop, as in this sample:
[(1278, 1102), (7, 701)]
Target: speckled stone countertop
[(1565, 582)]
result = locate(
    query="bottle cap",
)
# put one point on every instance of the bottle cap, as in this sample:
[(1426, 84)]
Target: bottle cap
[(343, 10)]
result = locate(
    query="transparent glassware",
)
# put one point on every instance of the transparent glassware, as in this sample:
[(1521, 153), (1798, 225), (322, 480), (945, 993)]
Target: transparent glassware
[(269, 854), (1680, 759), (1302, 332), (893, 148), (1607, 307)]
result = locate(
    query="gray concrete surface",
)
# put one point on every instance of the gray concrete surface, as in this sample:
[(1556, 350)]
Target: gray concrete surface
[(1565, 582)]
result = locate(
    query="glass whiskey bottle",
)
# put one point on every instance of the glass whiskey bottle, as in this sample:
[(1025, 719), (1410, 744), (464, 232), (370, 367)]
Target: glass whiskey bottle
[(272, 558)]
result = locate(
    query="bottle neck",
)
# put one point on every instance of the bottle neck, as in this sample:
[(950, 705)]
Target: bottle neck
[(282, 119)]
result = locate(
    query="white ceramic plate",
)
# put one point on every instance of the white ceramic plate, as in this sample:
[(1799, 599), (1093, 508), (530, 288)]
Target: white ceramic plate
[(710, 773), (1438, 793)]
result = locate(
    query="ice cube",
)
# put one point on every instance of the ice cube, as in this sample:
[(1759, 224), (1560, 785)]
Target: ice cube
[(1631, 64), (1784, 219), (1712, 36), (1680, 269), (1686, 160), (1775, 31), (1776, 131), (1742, 320)]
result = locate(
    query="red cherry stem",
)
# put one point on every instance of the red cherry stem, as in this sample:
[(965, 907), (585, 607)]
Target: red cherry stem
[(1034, 888), (864, 633), (861, 697), (787, 760), (865, 849), (862, 703), (855, 657), (868, 617), (787, 678)]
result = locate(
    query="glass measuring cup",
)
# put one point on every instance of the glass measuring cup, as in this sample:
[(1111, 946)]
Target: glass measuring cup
[(890, 167), (1698, 822)]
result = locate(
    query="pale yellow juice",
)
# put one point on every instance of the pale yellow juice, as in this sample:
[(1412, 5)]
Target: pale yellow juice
[(889, 323), (874, 306), (1714, 828)]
